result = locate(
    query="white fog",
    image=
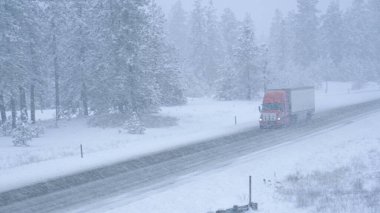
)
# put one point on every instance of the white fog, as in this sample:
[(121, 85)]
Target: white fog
[(189, 106)]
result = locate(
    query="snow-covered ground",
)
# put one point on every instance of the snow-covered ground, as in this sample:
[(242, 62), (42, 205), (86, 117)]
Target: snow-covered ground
[(335, 170), (57, 152)]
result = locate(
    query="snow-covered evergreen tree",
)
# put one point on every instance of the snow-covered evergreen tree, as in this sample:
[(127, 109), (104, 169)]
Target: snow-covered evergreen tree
[(357, 60), (197, 40), (213, 48), (12, 57), (306, 43), (22, 134), (278, 51), (75, 82), (374, 23), (332, 41), (248, 75), (178, 29), (226, 89), (134, 125), (160, 61), (227, 76), (229, 28), (178, 26)]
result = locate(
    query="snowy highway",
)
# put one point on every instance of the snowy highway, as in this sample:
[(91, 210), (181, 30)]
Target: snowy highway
[(136, 177)]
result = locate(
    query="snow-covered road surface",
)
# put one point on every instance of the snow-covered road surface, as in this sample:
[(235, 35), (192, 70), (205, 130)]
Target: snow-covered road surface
[(136, 177)]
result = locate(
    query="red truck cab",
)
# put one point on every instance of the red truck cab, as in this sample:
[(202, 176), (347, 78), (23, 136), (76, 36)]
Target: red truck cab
[(275, 109)]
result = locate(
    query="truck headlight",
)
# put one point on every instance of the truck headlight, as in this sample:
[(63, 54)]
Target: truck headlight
[(279, 119), (260, 119)]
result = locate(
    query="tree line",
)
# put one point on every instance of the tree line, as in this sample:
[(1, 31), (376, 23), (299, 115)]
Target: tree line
[(222, 57), (85, 57), (307, 47)]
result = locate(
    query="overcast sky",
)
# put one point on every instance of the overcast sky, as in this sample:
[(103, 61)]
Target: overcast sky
[(261, 10)]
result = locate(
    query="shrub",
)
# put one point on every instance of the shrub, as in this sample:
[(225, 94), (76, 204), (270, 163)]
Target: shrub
[(22, 134), (134, 125)]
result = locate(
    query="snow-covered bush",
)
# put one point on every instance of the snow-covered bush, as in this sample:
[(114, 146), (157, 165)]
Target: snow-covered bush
[(347, 189), (22, 134), (134, 125)]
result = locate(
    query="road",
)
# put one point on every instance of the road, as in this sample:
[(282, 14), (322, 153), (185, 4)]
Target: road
[(139, 176)]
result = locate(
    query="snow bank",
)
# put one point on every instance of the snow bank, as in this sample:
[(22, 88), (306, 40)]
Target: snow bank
[(352, 146), (201, 119)]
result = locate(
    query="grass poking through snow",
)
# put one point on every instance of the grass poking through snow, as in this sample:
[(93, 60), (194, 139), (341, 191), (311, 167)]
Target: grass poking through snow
[(351, 189)]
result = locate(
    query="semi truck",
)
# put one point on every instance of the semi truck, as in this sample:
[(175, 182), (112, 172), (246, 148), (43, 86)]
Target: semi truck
[(283, 107)]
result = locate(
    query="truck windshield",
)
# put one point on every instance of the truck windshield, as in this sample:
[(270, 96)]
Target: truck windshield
[(273, 106)]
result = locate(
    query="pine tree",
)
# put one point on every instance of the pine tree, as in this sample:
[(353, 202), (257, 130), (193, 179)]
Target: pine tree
[(35, 32), (198, 40), (79, 71), (57, 42), (160, 60), (22, 134), (178, 29), (246, 62), (102, 88), (306, 43), (229, 26), (178, 35), (213, 48), (226, 85), (332, 40), (134, 125), (227, 77), (12, 60), (278, 51), (374, 22), (357, 60)]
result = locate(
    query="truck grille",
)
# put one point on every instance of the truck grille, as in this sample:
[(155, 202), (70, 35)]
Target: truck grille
[(269, 116)]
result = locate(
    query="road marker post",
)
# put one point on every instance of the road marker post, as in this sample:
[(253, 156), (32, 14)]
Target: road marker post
[(250, 189), (81, 151)]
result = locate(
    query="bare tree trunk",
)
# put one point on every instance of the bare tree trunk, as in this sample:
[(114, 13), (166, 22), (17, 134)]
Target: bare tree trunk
[(121, 108), (32, 105), (82, 51), (56, 82), (249, 87), (23, 109), (14, 114), (2, 109), (84, 99), (56, 76)]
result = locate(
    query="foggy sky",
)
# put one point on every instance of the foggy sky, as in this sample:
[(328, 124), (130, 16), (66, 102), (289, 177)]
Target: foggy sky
[(261, 10)]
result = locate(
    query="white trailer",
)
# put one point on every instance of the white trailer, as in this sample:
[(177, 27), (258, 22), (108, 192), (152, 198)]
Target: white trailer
[(302, 102)]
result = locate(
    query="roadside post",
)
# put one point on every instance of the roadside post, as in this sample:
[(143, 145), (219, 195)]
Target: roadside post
[(241, 209), (81, 151)]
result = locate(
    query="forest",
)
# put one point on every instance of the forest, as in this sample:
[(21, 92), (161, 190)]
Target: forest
[(89, 57)]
